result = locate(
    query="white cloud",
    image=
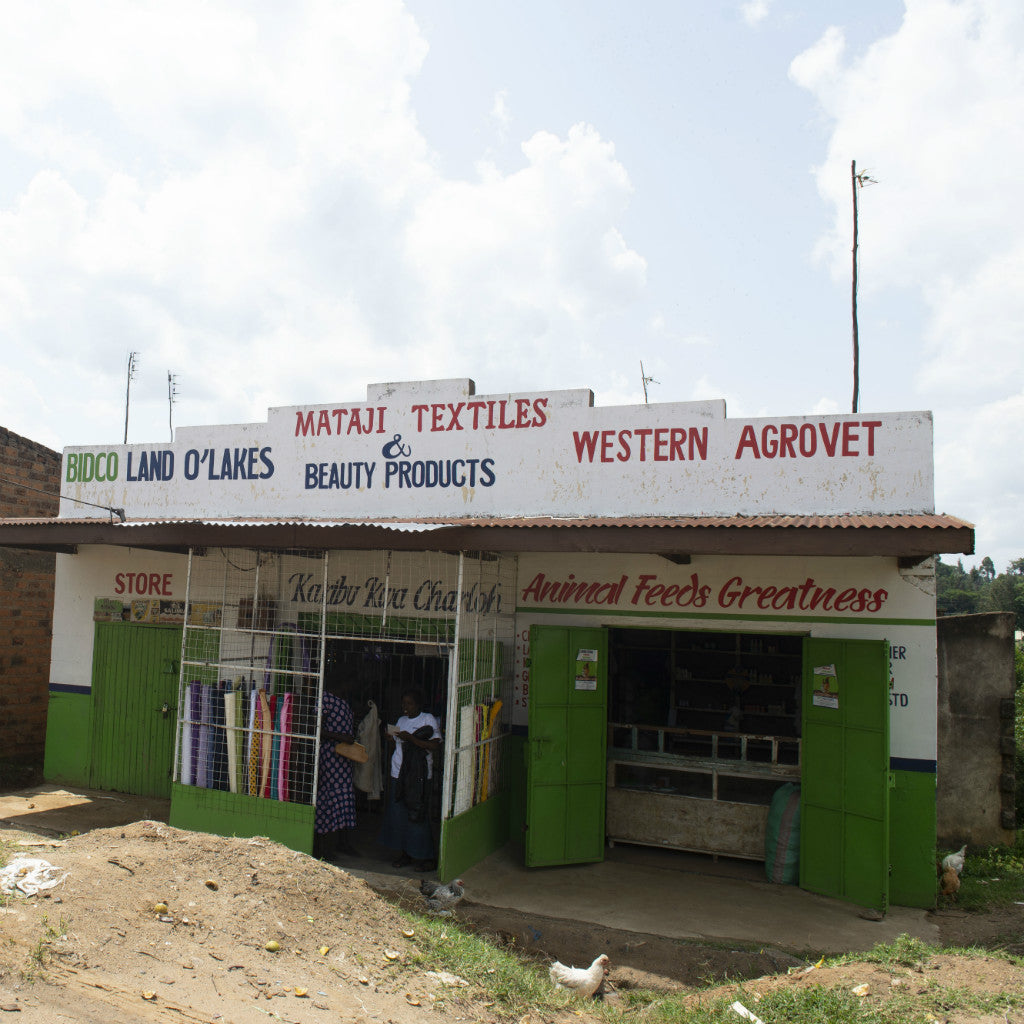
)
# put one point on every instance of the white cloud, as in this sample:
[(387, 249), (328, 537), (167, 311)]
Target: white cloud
[(755, 11), (936, 111), (244, 195), (523, 265), (500, 115)]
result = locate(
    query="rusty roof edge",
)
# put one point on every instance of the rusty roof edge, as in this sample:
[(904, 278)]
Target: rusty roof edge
[(930, 520)]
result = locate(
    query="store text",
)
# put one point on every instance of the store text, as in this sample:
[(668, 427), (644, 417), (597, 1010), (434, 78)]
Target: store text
[(648, 591)]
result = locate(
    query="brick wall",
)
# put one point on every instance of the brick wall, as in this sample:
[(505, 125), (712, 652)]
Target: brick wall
[(26, 600)]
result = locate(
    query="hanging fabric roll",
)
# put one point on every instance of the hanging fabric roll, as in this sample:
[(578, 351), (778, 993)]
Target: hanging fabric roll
[(239, 744), (186, 739), (218, 771), (275, 749), (487, 777), (286, 746), (254, 744), (202, 756), (230, 706), (195, 710), (266, 742)]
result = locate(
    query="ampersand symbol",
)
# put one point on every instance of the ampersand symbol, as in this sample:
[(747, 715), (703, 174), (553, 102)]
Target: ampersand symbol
[(395, 448)]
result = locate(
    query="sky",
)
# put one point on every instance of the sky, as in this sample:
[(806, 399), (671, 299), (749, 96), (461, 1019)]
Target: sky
[(280, 204)]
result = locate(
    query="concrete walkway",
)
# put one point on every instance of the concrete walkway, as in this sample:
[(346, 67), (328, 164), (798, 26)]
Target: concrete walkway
[(668, 893), (687, 896)]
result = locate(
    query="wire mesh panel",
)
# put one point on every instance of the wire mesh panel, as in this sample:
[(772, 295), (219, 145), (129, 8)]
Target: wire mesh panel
[(480, 694), (251, 677), (402, 597), (265, 631)]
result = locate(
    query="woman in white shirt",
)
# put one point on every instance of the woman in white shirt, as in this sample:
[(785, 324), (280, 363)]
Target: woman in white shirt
[(416, 738)]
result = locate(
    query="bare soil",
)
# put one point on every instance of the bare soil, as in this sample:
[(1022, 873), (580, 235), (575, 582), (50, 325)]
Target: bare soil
[(95, 949)]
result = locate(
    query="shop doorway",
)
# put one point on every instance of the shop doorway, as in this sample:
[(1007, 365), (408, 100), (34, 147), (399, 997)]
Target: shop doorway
[(704, 728), (134, 707), (373, 675)]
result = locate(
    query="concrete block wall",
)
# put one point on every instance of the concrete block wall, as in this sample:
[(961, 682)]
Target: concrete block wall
[(976, 771), (26, 600)]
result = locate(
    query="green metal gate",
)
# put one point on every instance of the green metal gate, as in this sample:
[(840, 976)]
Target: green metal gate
[(845, 778), (565, 760), (134, 693)]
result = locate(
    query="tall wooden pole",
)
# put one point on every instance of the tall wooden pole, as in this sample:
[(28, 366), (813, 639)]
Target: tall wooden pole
[(856, 338)]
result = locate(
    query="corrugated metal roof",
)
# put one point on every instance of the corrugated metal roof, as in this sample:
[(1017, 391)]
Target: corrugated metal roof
[(912, 536), (918, 521)]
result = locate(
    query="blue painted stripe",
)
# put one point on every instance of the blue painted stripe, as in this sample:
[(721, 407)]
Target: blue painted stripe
[(68, 688), (912, 764)]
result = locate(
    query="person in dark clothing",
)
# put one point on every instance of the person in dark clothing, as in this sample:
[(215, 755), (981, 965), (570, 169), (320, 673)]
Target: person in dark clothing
[(335, 798), (417, 738)]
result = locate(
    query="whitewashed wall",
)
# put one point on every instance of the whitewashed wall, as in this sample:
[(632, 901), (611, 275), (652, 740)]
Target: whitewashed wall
[(101, 572)]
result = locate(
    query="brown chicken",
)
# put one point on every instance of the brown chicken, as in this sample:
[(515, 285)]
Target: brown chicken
[(950, 883)]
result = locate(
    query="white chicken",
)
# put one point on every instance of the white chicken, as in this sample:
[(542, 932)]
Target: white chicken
[(583, 980), (955, 860), (440, 896)]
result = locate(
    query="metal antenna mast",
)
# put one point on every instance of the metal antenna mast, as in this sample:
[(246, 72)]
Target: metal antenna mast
[(172, 393), (132, 363), (646, 380), (857, 181)]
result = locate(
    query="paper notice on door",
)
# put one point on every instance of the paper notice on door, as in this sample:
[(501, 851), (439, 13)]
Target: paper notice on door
[(826, 688), (586, 669)]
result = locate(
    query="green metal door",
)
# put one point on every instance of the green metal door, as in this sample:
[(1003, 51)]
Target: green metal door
[(565, 755), (134, 675), (844, 810)]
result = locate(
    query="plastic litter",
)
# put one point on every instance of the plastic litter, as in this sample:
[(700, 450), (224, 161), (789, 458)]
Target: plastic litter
[(742, 1011), (26, 876)]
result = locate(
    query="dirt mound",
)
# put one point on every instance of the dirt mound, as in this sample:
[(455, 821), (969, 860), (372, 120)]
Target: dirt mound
[(98, 936), (96, 948)]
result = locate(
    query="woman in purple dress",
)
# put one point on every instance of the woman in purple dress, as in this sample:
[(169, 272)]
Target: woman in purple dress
[(335, 794)]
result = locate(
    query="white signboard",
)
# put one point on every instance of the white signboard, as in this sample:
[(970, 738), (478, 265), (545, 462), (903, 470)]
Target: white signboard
[(436, 449)]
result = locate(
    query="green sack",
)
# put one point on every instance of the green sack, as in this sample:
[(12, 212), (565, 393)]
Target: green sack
[(782, 836)]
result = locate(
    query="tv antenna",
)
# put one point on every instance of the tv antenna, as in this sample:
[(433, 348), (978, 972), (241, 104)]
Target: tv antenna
[(172, 393), (645, 380), (132, 366), (857, 181)]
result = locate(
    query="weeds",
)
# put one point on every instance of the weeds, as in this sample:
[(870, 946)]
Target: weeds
[(518, 987), (903, 951), (40, 952), (993, 877)]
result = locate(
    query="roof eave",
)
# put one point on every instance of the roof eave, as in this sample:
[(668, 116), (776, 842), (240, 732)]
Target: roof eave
[(902, 541)]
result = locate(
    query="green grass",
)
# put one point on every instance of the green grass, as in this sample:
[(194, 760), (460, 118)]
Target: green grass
[(40, 952), (903, 951), (993, 877), (907, 952), (516, 987)]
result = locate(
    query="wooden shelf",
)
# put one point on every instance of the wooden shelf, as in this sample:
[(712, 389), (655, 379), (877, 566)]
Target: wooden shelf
[(711, 803)]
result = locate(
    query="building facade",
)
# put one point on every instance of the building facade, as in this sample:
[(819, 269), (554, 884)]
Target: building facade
[(635, 623)]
